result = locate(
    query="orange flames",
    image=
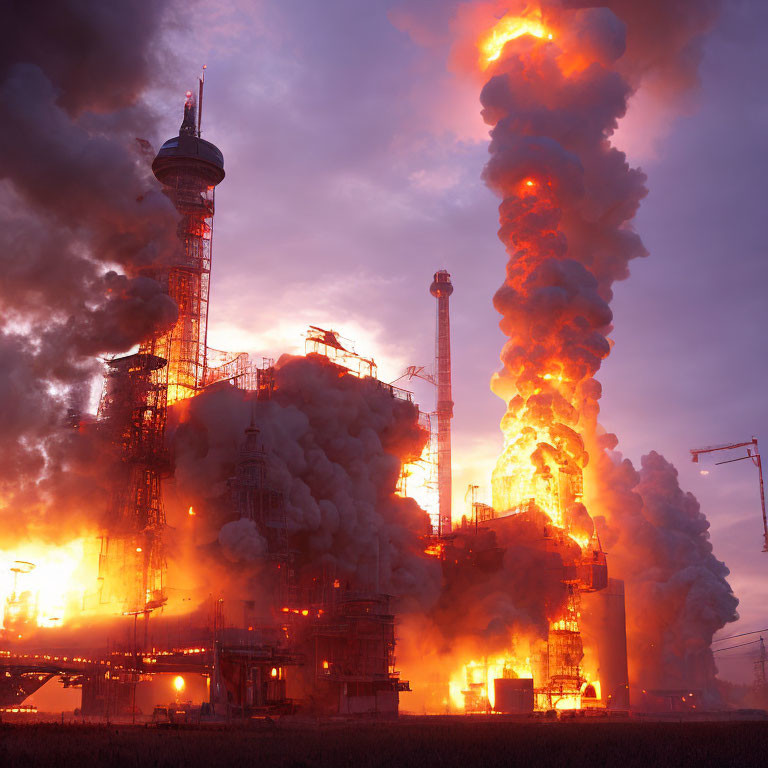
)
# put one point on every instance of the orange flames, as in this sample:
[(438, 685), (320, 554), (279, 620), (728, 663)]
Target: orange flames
[(46, 585), (541, 465), (472, 685), (509, 28), (543, 457)]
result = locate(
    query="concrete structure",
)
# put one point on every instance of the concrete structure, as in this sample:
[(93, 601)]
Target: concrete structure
[(603, 627)]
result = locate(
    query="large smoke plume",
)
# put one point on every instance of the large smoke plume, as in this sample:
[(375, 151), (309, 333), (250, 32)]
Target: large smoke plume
[(84, 227), (678, 596), (568, 200), (334, 447)]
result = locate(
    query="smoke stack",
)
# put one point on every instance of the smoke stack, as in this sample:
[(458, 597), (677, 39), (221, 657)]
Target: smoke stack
[(441, 289)]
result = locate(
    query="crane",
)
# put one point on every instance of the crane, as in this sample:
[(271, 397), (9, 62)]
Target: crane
[(753, 453)]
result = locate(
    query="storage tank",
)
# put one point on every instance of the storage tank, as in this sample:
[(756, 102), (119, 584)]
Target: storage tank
[(513, 695)]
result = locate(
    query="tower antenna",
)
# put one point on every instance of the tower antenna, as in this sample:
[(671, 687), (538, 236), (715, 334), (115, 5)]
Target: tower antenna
[(201, 81)]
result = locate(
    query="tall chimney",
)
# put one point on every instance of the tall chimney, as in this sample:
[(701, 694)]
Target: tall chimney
[(441, 289)]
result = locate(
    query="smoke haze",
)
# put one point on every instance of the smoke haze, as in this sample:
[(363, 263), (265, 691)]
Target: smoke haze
[(81, 218)]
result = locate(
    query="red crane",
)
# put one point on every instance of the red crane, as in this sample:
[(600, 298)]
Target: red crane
[(753, 453)]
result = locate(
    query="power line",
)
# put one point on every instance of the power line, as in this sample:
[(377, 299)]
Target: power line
[(743, 634), (740, 645)]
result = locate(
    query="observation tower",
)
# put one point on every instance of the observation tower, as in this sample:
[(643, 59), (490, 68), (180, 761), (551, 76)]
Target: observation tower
[(189, 168), (167, 368)]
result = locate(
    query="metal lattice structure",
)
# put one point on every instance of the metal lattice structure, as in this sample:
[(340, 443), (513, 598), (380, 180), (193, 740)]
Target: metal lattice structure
[(565, 652), (236, 368), (329, 344), (133, 409), (168, 367), (189, 169), (441, 289), (418, 479)]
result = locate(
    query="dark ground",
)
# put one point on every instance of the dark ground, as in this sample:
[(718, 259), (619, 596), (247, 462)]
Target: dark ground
[(465, 744)]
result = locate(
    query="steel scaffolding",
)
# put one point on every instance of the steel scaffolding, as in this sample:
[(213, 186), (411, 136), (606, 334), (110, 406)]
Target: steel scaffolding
[(169, 367)]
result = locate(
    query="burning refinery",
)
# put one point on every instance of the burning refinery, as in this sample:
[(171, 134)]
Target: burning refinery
[(221, 537)]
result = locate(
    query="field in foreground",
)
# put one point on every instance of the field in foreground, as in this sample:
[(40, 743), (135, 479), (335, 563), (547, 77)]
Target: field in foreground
[(405, 743)]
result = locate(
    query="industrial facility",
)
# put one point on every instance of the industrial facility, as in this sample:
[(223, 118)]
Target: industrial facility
[(329, 646), (316, 635)]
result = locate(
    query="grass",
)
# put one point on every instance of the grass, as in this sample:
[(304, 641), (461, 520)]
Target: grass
[(406, 743)]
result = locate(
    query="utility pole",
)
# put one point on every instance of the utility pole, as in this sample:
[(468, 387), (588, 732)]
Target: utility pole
[(760, 680)]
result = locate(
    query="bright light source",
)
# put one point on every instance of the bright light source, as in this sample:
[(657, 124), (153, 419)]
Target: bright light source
[(509, 28), (178, 683), (138, 549), (274, 671)]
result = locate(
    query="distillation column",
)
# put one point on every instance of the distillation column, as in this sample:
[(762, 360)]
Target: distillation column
[(441, 289)]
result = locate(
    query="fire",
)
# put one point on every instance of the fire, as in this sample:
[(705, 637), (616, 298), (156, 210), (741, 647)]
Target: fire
[(418, 480), (552, 352), (543, 457), (45, 585), (435, 549), (509, 28), (472, 687)]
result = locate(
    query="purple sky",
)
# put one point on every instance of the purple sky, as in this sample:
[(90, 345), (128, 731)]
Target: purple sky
[(353, 160)]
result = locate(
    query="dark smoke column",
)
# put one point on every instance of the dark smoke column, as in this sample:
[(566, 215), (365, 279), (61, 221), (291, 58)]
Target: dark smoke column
[(189, 168), (441, 289)]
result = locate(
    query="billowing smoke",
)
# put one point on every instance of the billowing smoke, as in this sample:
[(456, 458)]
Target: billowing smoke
[(84, 228), (553, 100), (677, 593), (664, 41), (333, 446), (500, 591)]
